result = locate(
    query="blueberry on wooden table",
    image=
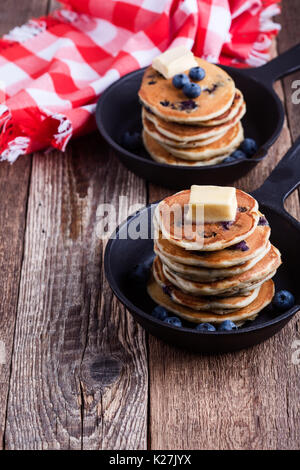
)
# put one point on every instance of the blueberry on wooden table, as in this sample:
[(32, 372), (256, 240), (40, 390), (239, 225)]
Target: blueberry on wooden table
[(205, 327), (159, 312), (283, 300), (180, 80), (227, 325), (197, 73), (173, 321), (191, 90)]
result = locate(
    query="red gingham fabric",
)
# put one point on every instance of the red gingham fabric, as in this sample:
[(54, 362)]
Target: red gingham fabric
[(53, 69)]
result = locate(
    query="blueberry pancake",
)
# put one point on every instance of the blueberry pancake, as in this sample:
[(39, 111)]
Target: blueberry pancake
[(218, 305), (223, 145), (162, 98), (196, 273), (238, 101), (251, 248), (264, 297), (231, 285), (170, 219), (150, 129), (186, 133), (161, 155)]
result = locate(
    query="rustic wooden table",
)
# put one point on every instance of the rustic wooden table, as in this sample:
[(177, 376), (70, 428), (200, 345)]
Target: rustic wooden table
[(76, 371)]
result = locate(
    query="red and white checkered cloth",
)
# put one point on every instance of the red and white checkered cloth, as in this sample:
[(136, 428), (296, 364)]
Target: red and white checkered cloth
[(53, 69)]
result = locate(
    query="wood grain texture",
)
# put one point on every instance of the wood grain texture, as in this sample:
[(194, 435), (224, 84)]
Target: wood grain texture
[(288, 37), (14, 182), (246, 400), (79, 370)]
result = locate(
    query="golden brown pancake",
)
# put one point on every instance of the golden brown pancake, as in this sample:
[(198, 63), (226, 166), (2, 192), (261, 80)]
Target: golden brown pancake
[(169, 218), (219, 305), (256, 244), (159, 94), (196, 273), (162, 139), (161, 155), (229, 114), (228, 286), (224, 144), (185, 133), (249, 312)]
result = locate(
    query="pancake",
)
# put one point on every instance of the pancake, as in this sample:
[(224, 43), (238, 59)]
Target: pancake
[(256, 244), (159, 94), (249, 312), (161, 155), (207, 274), (219, 305), (225, 144), (162, 139), (229, 114), (247, 280), (169, 218), (186, 133)]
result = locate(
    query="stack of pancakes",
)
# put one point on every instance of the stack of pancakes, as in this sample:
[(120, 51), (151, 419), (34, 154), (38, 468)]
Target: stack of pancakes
[(224, 274), (197, 132)]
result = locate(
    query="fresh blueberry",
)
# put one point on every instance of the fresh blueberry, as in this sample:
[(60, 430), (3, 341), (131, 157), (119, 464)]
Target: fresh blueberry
[(159, 312), (227, 325), (205, 327), (174, 321), (229, 159), (197, 73), (249, 146), (180, 80), (191, 90), (238, 155), (131, 140), (140, 273), (283, 300)]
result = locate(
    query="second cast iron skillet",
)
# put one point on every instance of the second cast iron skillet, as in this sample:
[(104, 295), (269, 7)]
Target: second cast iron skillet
[(123, 253), (119, 110)]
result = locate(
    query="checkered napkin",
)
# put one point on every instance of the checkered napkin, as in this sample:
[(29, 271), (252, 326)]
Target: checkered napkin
[(53, 69)]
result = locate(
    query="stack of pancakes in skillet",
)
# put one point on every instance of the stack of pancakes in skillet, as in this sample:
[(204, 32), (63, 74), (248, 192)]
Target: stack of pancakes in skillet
[(196, 132), (225, 277)]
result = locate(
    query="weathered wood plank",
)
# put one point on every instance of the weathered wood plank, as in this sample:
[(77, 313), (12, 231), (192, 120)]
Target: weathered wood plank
[(247, 400), (14, 182), (289, 36), (79, 371)]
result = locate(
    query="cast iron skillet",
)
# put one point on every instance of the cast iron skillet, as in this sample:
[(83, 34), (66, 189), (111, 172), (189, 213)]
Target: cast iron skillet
[(123, 254), (119, 110)]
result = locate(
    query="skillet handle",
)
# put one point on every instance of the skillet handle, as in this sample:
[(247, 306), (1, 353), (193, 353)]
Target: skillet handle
[(282, 65), (283, 180)]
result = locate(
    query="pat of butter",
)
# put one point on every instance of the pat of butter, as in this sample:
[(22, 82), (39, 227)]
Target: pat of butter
[(219, 203), (176, 60)]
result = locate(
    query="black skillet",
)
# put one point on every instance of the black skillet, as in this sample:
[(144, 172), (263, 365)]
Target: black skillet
[(119, 110), (123, 254)]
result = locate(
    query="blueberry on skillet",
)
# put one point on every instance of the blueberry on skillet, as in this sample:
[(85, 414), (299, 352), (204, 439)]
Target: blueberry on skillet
[(191, 90), (205, 327), (249, 146), (236, 155), (131, 140), (159, 312), (174, 321), (227, 325), (180, 80), (283, 300), (140, 274), (197, 73)]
